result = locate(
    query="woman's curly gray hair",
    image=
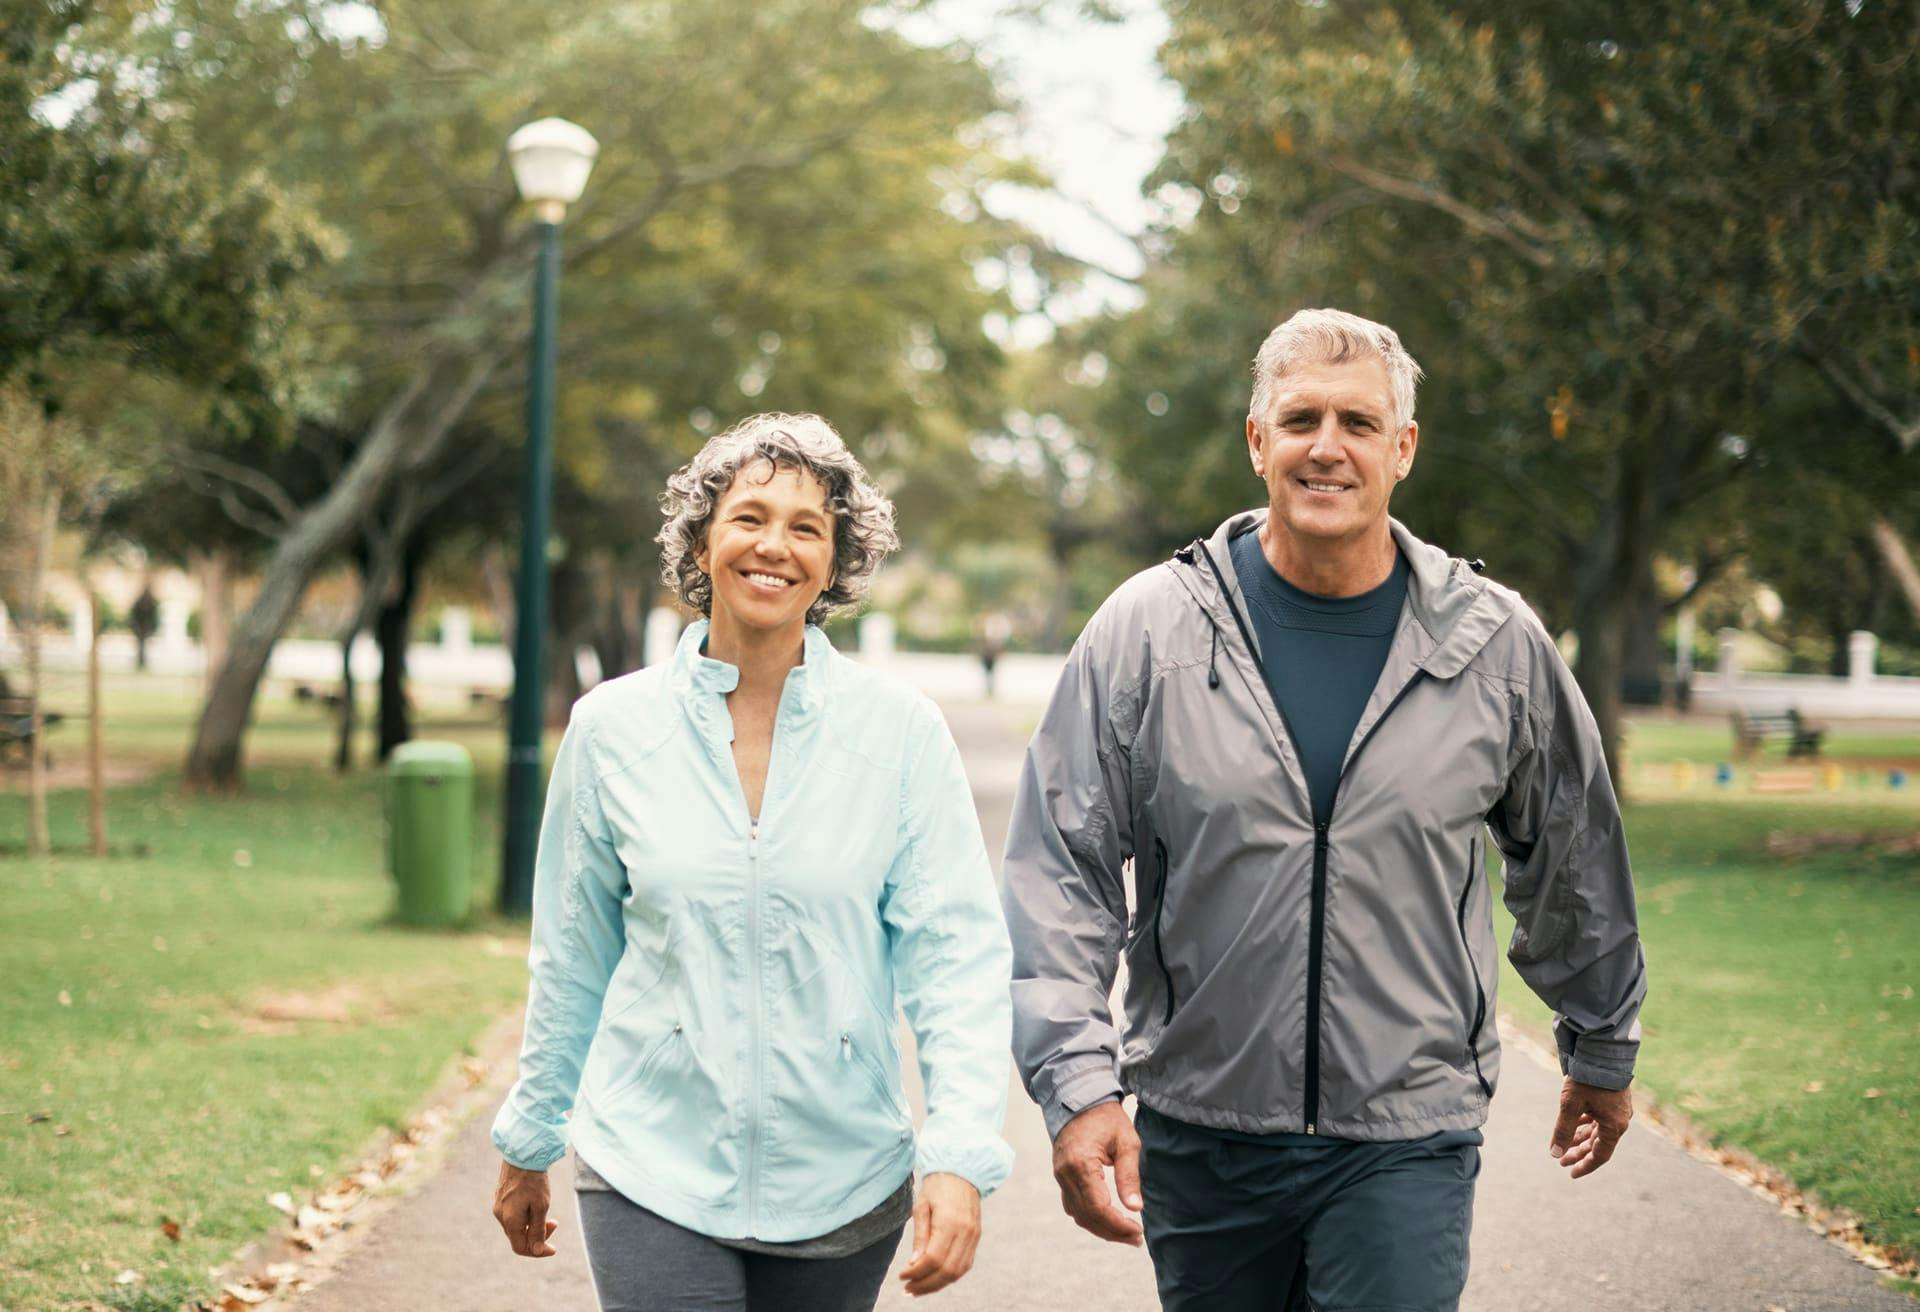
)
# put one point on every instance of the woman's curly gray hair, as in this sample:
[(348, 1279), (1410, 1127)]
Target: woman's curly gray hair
[(863, 531)]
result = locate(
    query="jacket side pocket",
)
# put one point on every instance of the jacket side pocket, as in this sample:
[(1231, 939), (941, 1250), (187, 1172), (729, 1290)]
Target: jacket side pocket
[(1159, 914), (1476, 863)]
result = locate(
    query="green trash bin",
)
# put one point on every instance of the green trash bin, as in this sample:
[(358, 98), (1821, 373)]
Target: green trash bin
[(430, 831)]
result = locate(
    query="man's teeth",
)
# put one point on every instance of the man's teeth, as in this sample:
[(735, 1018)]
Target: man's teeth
[(1324, 487), (771, 580)]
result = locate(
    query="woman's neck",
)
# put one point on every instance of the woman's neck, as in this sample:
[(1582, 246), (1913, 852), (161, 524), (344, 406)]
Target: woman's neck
[(763, 656)]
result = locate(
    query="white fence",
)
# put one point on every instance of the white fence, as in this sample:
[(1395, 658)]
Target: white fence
[(1861, 695), (451, 668)]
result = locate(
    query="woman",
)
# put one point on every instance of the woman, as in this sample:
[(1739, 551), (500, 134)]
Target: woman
[(749, 855)]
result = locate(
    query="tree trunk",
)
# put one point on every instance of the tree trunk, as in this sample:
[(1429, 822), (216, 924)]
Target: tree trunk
[(391, 629), (216, 608), (39, 840), (346, 718), (1640, 649), (96, 762), (403, 438)]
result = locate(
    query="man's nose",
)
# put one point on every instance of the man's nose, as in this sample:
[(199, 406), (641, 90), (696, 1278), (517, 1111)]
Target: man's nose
[(1326, 447)]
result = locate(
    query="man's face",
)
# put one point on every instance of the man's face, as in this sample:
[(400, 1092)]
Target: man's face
[(1328, 452)]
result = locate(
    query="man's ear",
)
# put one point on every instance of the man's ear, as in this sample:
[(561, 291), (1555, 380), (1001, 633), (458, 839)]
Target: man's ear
[(1408, 444), (1256, 447)]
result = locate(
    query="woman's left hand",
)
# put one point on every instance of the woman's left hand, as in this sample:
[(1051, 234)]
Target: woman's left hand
[(946, 1230)]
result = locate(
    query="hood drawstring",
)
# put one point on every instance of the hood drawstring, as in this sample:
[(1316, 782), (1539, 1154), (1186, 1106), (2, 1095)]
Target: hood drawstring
[(1213, 675)]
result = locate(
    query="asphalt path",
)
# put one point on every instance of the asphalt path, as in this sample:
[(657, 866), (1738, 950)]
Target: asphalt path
[(1656, 1230)]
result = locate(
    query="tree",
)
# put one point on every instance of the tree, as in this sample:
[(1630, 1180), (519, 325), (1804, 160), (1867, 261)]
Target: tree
[(764, 228), (1608, 234)]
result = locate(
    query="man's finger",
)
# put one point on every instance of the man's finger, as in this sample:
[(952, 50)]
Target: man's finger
[(1091, 1207), (1600, 1153), (1563, 1127), (1126, 1173)]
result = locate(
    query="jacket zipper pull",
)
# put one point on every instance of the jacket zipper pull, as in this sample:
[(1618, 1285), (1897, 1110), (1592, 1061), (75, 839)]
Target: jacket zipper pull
[(846, 1047)]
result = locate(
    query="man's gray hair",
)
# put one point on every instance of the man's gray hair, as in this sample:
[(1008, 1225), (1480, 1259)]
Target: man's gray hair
[(863, 532), (1332, 337)]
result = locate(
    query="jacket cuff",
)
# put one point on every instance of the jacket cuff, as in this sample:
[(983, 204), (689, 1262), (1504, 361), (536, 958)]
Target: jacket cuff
[(526, 1143), (985, 1166), (1603, 1063), (1078, 1092)]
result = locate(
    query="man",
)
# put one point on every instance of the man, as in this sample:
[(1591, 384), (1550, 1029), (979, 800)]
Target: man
[(1298, 732)]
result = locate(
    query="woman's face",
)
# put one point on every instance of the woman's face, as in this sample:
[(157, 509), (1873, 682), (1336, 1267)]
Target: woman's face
[(769, 548)]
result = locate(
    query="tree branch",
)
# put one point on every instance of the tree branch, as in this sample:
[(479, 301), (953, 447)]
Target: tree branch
[(1861, 391), (237, 475), (1504, 231), (1899, 561)]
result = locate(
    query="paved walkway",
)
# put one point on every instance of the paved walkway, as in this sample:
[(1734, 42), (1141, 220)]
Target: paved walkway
[(1655, 1231)]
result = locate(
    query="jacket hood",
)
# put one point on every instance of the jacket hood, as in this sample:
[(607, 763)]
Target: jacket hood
[(1446, 596)]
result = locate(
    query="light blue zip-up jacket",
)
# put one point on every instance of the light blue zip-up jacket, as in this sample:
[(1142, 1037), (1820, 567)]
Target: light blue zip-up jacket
[(713, 997)]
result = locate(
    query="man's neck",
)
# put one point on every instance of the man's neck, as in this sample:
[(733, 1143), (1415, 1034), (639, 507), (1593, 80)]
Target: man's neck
[(1329, 567)]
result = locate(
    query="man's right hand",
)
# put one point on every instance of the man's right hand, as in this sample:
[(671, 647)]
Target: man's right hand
[(520, 1206), (1086, 1146)]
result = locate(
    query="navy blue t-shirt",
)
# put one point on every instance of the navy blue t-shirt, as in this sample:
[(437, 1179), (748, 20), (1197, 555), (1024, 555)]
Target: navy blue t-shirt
[(1321, 657)]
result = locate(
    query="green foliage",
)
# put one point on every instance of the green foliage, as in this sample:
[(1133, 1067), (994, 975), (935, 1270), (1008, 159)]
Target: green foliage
[(1614, 237), (116, 241)]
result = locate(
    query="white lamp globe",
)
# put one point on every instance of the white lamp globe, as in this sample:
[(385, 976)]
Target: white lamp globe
[(551, 159)]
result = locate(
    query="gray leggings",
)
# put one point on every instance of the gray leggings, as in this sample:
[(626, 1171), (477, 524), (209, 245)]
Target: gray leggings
[(644, 1263)]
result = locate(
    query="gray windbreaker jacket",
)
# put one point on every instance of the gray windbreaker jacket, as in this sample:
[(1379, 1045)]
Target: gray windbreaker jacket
[(1337, 981)]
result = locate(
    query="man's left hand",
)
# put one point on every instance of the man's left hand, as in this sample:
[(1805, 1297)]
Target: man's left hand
[(1591, 1122)]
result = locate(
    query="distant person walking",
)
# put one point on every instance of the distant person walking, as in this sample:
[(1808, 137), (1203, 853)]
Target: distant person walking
[(749, 856), (1298, 731)]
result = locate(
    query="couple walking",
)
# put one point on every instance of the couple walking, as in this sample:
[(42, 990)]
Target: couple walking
[(1296, 734)]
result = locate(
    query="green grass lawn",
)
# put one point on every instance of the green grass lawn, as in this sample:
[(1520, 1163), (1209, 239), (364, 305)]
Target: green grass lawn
[(138, 1000), (1782, 1015)]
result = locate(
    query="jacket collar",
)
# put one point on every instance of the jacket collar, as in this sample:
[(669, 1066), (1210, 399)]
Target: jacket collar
[(701, 683), (1451, 603)]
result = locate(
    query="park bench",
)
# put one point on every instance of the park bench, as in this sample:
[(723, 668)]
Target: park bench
[(1752, 729), (17, 738), (308, 694)]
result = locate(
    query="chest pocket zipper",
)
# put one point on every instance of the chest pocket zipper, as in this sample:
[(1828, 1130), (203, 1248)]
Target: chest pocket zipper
[(1159, 906), (1474, 864)]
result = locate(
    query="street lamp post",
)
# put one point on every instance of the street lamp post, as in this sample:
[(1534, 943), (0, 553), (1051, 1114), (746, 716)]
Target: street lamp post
[(551, 160)]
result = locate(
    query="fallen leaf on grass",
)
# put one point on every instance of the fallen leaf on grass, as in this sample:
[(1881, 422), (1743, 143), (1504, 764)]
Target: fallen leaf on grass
[(473, 1071), (1814, 1086), (127, 1277), (61, 1132), (337, 1203), (65, 998), (1871, 1093), (281, 1202), (171, 1229), (247, 1295), (36, 1118)]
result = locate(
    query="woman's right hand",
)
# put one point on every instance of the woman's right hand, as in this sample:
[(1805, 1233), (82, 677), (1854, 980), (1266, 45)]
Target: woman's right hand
[(520, 1206)]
